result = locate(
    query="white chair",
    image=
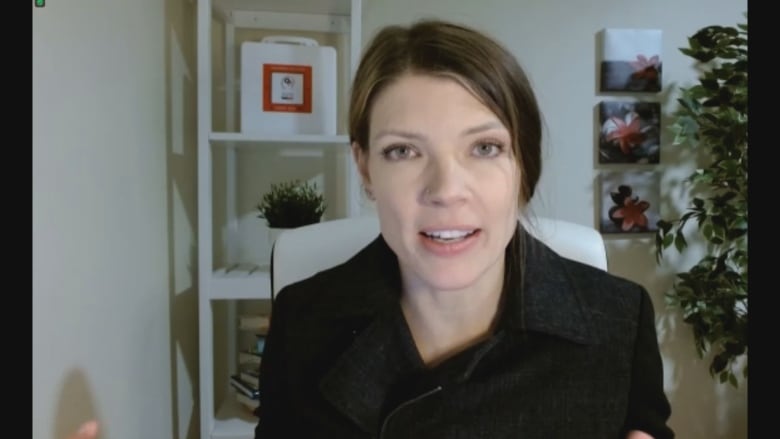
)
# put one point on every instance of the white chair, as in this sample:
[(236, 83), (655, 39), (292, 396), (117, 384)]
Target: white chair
[(301, 252)]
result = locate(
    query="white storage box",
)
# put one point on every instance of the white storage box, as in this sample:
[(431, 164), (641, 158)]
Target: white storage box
[(288, 86)]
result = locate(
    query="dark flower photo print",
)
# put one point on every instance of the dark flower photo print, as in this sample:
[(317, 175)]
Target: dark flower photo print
[(629, 132), (631, 60), (629, 202)]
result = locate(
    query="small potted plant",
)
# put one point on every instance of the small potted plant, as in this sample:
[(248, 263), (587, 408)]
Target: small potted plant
[(291, 204)]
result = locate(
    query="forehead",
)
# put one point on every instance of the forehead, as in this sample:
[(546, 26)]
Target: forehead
[(422, 99)]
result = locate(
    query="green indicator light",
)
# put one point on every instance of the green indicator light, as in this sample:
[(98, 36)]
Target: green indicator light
[(40, 3)]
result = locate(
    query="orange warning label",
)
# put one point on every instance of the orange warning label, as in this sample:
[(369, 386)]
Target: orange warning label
[(287, 88)]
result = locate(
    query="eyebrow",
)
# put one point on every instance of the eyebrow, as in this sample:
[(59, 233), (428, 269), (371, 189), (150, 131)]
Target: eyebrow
[(483, 127), (399, 133), (419, 136)]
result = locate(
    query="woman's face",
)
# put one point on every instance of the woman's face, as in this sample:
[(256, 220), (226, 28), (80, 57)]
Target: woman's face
[(441, 170)]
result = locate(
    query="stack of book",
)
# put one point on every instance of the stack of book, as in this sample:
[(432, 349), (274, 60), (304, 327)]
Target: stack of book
[(245, 379), (245, 383)]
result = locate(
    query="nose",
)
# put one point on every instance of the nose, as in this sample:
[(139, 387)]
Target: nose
[(445, 183)]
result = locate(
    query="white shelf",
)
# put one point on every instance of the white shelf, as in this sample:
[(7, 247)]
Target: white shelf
[(255, 140), (317, 16), (240, 284), (233, 421), (325, 7)]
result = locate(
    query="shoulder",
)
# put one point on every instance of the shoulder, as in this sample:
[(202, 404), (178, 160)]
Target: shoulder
[(319, 287), (608, 304), (616, 306), (319, 315), (352, 284), (595, 290), (599, 288)]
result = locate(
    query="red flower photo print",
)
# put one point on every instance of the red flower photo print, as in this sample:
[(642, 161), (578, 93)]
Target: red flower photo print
[(631, 60), (629, 202), (629, 132)]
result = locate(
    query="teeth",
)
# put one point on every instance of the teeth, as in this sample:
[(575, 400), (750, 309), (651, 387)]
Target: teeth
[(449, 234)]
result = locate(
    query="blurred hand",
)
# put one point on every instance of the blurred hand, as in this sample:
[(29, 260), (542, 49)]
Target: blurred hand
[(88, 430), (636, 434)]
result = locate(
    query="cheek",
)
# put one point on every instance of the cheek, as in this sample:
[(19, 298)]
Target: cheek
[(504, 205), (501, 187), (393, 191), (501, 205), (392, 181)]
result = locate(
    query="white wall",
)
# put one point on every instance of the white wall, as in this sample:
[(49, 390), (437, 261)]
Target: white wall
[(114, 308), (556, 42)]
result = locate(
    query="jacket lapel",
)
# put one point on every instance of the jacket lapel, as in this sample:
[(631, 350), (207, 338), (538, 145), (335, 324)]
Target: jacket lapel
[(358, 382)]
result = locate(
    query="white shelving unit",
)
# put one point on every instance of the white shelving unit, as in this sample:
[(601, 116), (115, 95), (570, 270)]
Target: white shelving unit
[(227, 419)]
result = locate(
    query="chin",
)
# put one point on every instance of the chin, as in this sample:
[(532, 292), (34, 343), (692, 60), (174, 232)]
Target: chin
[(449, 278)]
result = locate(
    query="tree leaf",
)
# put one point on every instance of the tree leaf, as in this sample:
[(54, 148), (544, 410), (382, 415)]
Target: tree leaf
[(706, 230), (668, 240), (679, 242), (710, 84)]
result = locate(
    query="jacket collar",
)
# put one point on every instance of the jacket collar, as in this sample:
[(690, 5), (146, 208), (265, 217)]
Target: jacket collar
[(549, 303)]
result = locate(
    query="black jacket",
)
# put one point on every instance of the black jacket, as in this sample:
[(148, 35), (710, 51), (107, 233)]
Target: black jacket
[(575, 354)]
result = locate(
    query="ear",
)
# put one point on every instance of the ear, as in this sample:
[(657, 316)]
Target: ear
[(361, 161)]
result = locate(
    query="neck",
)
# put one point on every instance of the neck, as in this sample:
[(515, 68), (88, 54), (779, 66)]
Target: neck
[(444, 323)]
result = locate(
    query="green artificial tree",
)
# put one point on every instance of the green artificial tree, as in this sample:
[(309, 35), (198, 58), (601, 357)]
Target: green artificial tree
[(712, 117)]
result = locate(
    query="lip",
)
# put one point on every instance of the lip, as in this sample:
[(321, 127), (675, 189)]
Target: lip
[(449, 249)]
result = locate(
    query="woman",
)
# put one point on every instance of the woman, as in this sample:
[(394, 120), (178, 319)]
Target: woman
[(455, 323)]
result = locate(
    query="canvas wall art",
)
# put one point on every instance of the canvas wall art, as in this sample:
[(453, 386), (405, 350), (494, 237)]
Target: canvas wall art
[(629, 201), (631, 60), (630, 132)]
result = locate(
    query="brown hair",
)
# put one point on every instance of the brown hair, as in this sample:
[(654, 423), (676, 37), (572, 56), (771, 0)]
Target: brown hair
[(475, 60)]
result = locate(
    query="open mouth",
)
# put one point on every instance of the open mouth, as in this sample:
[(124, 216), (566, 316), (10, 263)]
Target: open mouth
[(449, 236)]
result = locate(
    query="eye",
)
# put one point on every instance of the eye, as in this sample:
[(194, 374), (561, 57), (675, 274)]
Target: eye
[(488, 149), (399, 152)]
